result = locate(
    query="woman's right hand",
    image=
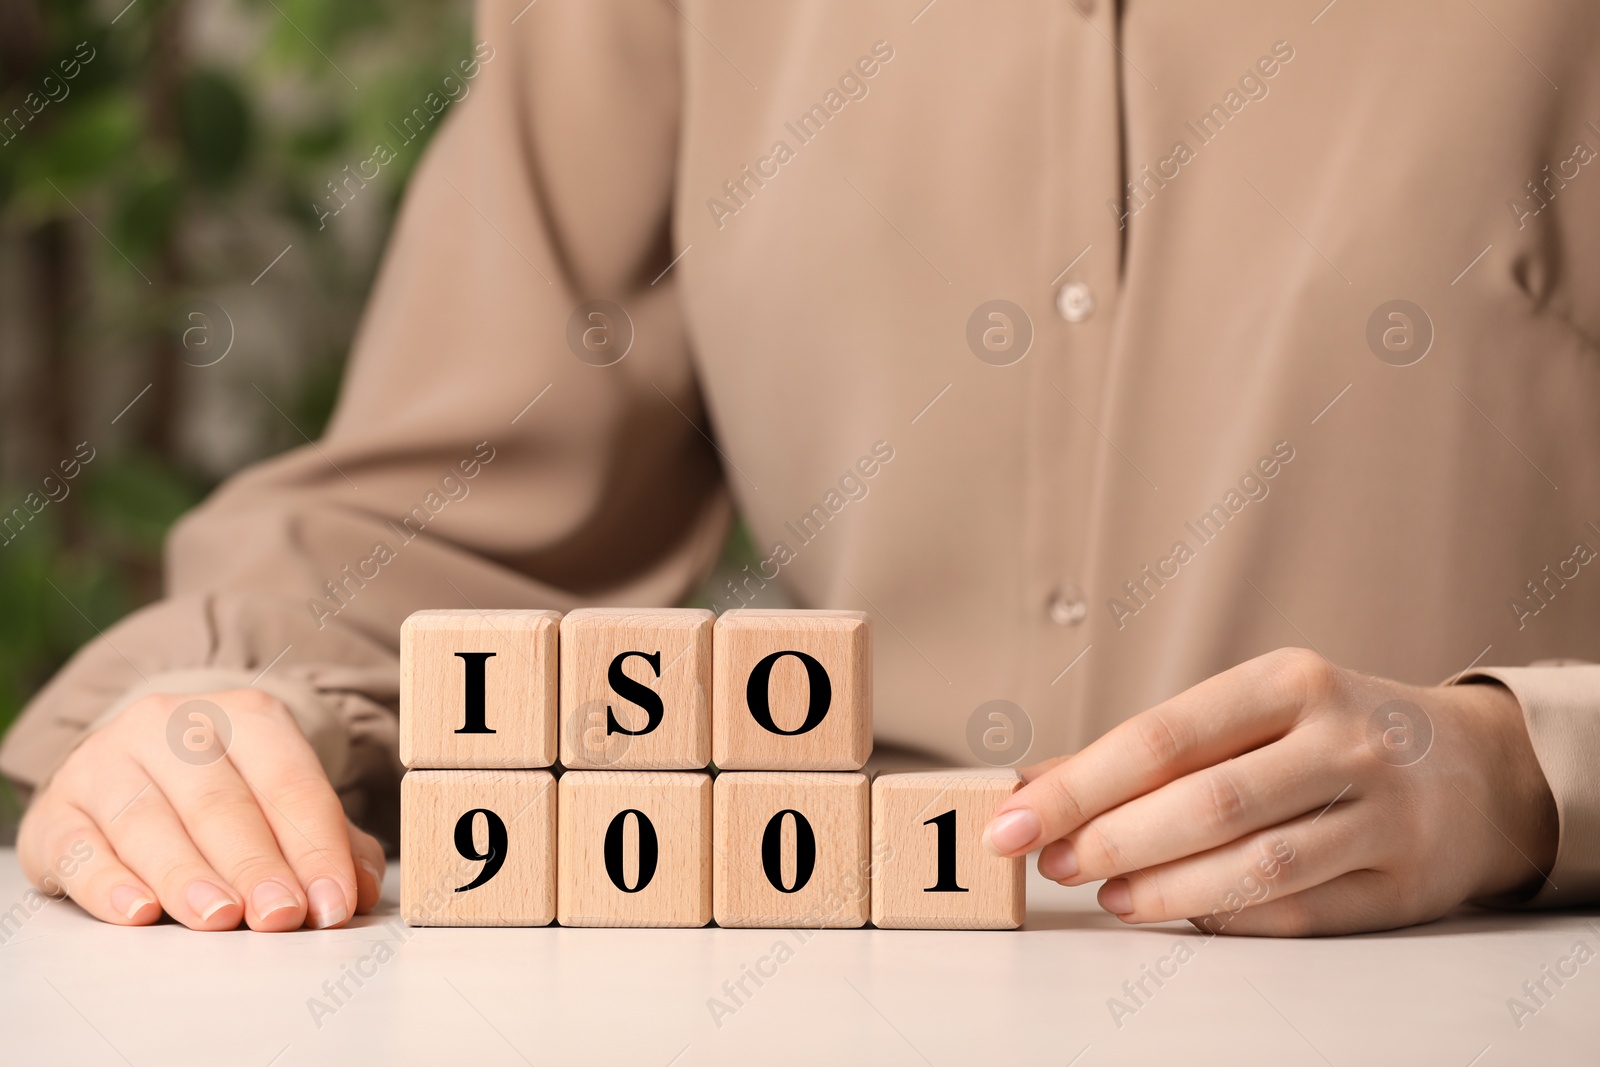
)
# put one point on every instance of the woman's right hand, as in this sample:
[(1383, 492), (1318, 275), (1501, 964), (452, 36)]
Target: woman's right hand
[(211, 807)]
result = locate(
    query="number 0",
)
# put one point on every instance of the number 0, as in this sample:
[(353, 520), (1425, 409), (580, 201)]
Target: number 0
[(649, 850), (805, 851)]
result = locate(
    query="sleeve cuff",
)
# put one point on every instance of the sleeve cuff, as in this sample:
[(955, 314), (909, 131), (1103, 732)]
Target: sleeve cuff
[(1561, 705), (318, 719)]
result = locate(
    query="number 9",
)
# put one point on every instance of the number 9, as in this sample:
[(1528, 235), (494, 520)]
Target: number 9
[(494, 858)]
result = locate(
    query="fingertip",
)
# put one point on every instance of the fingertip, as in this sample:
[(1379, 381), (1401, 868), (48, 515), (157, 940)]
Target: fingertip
[(147, 915), (1012, 832), (133, 905), (370, 866), (227, 917), (331, 903), (369, 886), (275, 907), (1116, 896), (211, 907), (1058, 861)]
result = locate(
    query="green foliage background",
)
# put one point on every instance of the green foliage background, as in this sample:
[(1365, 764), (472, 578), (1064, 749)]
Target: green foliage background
[(181, 158)]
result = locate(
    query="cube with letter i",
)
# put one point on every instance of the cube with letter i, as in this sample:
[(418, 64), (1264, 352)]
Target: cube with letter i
[(478, 689)]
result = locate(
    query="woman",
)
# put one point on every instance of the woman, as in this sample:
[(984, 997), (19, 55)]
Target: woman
[(1172, 336)]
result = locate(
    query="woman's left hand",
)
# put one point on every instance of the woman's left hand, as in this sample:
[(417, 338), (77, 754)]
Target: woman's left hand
[(1290, 797)]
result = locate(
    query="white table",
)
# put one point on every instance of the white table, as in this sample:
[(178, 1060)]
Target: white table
[(76, 991)]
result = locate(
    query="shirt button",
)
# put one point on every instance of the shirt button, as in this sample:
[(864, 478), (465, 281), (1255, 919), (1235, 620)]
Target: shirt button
[(1067, 606), (1075, 301)]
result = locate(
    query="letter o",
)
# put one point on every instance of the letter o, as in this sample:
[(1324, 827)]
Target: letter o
[(757, 693)]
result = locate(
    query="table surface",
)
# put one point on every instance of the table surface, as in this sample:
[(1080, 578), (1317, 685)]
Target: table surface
[(73, 990)]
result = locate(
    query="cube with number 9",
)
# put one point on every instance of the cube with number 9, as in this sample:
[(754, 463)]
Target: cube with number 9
[(478, 848)]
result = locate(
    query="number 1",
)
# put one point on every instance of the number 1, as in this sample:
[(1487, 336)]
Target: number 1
[(946, 882)]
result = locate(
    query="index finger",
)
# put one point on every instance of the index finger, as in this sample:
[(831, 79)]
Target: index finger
[(299, 803), (1228, 714)]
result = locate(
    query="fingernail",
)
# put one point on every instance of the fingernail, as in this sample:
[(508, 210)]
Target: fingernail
[(327, 904), (206, 899), (1011, 832), (1116, 897), (377, 875), (271, 896), (129, 902), (1058, 860)]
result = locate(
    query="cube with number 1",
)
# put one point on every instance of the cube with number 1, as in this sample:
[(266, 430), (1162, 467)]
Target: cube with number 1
[(931, 870)]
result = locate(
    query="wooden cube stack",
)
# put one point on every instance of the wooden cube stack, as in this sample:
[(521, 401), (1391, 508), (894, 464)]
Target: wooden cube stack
[(635, 831)]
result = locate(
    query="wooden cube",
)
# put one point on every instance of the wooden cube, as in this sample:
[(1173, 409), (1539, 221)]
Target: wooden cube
[(791, 690), (636, 689), (635, 848), (931, 870), (791, 849), (478, 848), (478, 689)]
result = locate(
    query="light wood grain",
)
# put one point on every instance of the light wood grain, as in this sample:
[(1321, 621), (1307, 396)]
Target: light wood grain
[(906, 852), (679, 640), (837, 890), (520, 693), (678, 807), (841, 644), (432, 870)]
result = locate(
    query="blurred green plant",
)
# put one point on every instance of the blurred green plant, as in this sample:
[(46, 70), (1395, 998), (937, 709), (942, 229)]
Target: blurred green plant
[(140, 148)]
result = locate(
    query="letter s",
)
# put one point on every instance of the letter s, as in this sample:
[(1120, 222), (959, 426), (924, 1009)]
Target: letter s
[(636, 692)]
